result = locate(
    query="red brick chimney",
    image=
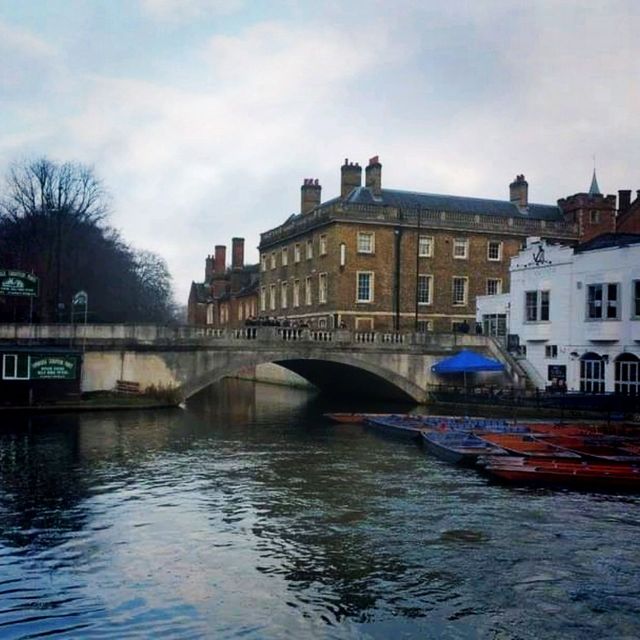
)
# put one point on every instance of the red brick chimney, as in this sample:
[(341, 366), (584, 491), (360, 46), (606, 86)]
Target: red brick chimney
[(373, 176), (237, 253), (519, 192), (351, 177), (309, 195), (220, 259), (624, 199)]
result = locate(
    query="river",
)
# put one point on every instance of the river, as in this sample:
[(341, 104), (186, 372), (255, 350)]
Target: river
[(248, 515)]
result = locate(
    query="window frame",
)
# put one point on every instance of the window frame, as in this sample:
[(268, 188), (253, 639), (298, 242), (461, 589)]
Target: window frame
[(274, 260), (538, 307), (430, 243), (308, 292), (499, 244), (309, 249), (460, 242), (604, 303), (498, 282), (296, 293), (297, 254), (635, 299), (284, 295), (272, 297), (322, 244), (465, 281), (371, 297), (16, 361), (284, 256), (323, 287), (372, 246), (429, 289)]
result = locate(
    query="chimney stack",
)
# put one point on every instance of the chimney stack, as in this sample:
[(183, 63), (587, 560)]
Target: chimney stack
[(624, 199), (351, 177), (309, 195), (237, 253), (373, 176), (519, 192), (220, 259), (208, 268)]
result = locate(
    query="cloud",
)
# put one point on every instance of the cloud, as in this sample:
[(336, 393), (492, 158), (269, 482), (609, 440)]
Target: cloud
[(181, 11), (454, 97)]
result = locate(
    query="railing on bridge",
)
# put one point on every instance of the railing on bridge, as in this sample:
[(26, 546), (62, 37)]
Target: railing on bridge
[(119, 334)]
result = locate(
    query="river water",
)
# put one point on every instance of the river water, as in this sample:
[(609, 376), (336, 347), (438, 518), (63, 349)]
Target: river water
[(248, 515)]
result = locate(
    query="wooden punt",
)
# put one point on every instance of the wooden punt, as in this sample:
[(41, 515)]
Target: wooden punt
[(527, 445), (592, 447), (352, 418), (458, 448), (404, 426)]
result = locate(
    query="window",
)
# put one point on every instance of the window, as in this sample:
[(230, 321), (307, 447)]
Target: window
[(240, 312), (460, 291), (285, 256), (322, 288), (494, 324), (366, 242), (550, 350), (636, 299), (296, 293), (494, 251), (425, 246), (283, 295), (263, 298), (323, 245), (272, 297), (424, 326), (536, 306), (273, 260), (263, 262), (322, 323), (424, 289), (627, 381), (307, 291), (15, 366), (296, 252), (364, 286), (309, 249), (592, 373), (603, 301), (494, 286), (460, 248), (594, 217)]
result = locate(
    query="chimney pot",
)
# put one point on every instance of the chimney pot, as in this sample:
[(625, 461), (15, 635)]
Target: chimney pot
[(373, 176), (310, 193)]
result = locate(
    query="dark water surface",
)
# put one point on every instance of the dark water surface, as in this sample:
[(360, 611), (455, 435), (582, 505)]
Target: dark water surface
[(250, 516)]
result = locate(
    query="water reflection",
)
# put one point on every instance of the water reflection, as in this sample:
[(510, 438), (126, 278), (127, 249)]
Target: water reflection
[(249, 515)]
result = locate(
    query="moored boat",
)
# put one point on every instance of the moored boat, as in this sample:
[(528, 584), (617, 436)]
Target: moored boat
[(459, 448), (592, 447), (587, 475), (352, 418), (527, 445), (404, 426)]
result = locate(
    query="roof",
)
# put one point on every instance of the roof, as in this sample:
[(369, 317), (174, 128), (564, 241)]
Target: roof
[(458, 204), (201, 292), (608, 241)]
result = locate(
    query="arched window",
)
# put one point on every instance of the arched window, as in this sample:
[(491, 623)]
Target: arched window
[(591, 373), (627, 375)]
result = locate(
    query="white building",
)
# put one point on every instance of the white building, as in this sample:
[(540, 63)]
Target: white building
[(576, 312)]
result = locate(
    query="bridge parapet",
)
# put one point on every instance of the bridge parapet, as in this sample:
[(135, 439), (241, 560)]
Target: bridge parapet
[(118, 335)]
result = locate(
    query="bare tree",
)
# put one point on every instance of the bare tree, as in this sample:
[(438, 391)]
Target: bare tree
[(45, 188)]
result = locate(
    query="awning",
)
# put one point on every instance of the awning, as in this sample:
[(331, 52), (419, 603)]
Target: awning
[(467, 362)]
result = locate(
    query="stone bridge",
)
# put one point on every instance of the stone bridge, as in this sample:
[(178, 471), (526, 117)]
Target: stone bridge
[(377, 365)]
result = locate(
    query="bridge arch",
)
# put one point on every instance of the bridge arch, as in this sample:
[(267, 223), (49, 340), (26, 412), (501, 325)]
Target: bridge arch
[(343, 374)]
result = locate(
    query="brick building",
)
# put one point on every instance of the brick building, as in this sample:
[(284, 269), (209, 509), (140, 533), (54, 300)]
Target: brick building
[(228, 295), (377, 258)]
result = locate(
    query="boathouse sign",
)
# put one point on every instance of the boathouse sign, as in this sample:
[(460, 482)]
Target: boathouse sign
[(58, 367), (18, 283)]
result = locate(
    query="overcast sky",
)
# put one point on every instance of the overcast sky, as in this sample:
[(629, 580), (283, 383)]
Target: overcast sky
[(203, 117)]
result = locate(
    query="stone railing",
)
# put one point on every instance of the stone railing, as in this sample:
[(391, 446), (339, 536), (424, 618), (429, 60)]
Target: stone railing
[(428, 219), (142, 335)]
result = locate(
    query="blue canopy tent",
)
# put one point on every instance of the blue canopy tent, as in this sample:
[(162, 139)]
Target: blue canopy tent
[(466, 362)]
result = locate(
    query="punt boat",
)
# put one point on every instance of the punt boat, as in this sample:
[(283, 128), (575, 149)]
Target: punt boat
[(524, 444), (404, 426), (351, 418), (588, 475), (594, 448), (459, 448)]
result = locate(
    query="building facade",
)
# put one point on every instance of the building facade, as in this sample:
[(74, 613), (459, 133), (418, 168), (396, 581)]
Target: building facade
[(383, 259), (575, 312), (228, 296)]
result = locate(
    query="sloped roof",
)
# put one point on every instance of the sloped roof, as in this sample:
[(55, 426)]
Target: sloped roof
[(200, 292), (458, 204), (608, 240)]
